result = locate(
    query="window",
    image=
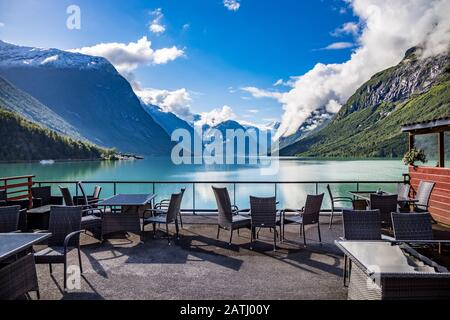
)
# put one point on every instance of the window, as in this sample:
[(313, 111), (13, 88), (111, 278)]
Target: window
[(429, 144)]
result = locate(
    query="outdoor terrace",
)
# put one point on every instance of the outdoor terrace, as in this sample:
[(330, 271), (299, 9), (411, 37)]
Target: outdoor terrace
[(201, 267)]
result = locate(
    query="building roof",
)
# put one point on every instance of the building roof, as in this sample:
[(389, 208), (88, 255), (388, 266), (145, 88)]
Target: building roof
[(440, 124)]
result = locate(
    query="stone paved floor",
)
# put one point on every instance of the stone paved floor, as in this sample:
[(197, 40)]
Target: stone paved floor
[(201, 267)]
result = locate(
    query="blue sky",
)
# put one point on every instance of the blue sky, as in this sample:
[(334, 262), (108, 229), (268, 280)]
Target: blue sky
[(253, 46)]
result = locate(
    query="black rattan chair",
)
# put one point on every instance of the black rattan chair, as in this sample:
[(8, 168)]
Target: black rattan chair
[(9, 219), (386, 204), (360, 225), (164, 205), (18, 278), (423, 196), (65, 227), (412, 226), (42, 196), (91, 219), (335, 201), (228, 215), (263, 213), (165, 217), (403, 190), (309, 214)]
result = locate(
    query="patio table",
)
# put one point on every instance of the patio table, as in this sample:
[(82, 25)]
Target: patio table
[(387, 270), (18, 275), (365, 195), (128, 220), (13, 243)]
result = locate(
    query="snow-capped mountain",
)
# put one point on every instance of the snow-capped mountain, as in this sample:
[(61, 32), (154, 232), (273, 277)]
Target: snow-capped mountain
[(19, 56), (316, 121), (88, 93)]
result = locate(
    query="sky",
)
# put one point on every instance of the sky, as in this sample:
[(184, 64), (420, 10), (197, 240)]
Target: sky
[(251, 60)]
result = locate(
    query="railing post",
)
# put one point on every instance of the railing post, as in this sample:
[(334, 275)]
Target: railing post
[(76, 189), (193, 199), (276, 193), (6, 188), (115, 188), (317, 188), (234, 194), (30, 196)]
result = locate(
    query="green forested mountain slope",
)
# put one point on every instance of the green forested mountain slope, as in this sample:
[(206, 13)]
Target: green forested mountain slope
[(368, 125), (21, 139)]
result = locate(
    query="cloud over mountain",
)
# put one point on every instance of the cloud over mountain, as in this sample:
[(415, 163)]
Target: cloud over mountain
[(127, 57), (387, 29), (177, 101)]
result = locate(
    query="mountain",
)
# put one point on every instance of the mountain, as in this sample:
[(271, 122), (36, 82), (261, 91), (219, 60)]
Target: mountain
[(315, 122), (26, 106), (166, 120), (88, 93), (25, 140), (368, 125)]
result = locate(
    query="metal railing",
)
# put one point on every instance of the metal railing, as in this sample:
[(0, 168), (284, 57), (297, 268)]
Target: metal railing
[(153, 184), (17, 188)]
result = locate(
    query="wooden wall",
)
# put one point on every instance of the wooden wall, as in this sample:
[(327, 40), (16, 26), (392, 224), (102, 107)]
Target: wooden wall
[(440, 197)]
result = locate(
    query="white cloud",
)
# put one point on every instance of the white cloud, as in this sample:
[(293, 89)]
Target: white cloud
[(186, 27), (388, 29), (232, 5), (156, 25), (164, 55), (260, 93), (339, 46), (279, 82), (216, 116), (351, 28), (2, 24), (253, 110), (127, 57), (177, 101)]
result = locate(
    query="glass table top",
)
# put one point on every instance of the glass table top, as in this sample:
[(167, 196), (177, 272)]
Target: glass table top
[(386, 257), (12, 243)]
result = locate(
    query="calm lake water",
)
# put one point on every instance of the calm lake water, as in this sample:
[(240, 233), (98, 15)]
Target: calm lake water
[(162, 169)]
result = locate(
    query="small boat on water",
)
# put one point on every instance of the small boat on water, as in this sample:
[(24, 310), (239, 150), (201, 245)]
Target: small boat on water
[(47, 162)]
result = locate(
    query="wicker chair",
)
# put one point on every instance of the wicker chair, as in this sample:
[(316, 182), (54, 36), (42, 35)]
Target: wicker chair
[(65, 227), (403, 190), (9, 219), (84, 198), (164, 205), (165, 217), (360, 225), (18, 278), (23, 206), (309, 214), (337, 200), (228, 215), (42, 196), (263, 212), (386, 204), (423, 196), (96, 193), (412, 226), (91, 219)]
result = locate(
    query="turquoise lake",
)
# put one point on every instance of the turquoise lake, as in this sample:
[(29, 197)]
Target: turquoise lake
[(162, 169)]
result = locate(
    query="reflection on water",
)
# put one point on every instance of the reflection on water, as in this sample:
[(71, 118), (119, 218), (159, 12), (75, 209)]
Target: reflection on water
[(162, 169)]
